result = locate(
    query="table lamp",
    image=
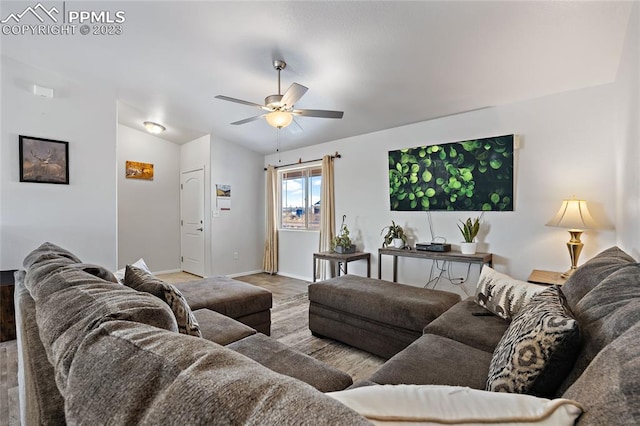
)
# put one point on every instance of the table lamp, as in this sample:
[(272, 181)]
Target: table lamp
[(573, 214)]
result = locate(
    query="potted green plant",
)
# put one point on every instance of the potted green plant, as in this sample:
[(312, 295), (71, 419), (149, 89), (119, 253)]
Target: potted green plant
[(469, 230), (395, 235), (341, 243)]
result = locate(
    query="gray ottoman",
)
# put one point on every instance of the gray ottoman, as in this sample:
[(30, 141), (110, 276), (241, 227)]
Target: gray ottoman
[(377, 316), (249, 304), (284, 360)]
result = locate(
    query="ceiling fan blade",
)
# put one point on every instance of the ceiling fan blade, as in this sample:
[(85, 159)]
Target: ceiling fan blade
[(318, 113), (248, 120), (295, 127), (293, 94), (238, 101)]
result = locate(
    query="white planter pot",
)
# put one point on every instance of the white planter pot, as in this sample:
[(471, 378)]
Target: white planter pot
[(398, 243), (468, 248)]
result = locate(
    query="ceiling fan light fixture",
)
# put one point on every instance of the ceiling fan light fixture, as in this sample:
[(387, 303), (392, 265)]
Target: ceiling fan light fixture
[(154, 128), (279, 119)]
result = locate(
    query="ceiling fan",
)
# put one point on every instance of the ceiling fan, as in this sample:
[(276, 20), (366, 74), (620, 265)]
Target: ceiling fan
[(280, 107)]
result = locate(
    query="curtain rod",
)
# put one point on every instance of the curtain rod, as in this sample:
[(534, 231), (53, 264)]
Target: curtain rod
[(336, 155)]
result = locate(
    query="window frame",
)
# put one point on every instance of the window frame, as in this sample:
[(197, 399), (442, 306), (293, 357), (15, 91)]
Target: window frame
[(307, 173)]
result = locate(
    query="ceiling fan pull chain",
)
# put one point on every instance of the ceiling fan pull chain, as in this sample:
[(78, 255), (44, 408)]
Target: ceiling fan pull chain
[(278, 144)]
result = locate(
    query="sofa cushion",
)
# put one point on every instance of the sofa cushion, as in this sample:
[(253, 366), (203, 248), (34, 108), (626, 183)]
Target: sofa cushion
[(606, 312), (151, 376), (430, 404), (143, 281), (459, 323), (220, 328), (503, 295), (49, 251), (436, 360), (609, 387), (97, 271), (282, 359), (538, 349), (596, 269), (40, 400), (70, 302)]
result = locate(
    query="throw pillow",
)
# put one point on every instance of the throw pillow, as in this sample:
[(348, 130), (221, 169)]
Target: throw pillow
[(435, 404), (503, 295), (143, 281), (538, 349), (119, 274)]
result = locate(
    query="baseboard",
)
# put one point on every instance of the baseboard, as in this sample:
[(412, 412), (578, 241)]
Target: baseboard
[(297, 277), (240, 274), (260, 271), (168, 271)]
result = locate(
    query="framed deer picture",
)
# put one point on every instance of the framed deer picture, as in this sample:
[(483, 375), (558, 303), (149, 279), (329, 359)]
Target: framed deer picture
[(44, 160)]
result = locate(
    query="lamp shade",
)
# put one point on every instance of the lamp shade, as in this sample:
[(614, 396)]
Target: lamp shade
[(279, 119), (573, 214)]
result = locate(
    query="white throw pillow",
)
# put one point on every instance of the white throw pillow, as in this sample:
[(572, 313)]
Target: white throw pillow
[(433, 404), (140, 264), (503, 295)]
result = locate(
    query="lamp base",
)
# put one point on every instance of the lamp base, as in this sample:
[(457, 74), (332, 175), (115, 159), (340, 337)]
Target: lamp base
[(567, 273), (575, 248)]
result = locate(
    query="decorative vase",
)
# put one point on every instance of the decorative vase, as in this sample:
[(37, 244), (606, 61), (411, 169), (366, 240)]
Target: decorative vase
[(468, 248), (398, 243)]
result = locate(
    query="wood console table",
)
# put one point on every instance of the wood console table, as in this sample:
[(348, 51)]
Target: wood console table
[(451, 256), (341, 259)]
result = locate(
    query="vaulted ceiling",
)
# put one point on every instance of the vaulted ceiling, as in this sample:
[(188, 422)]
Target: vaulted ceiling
[(384, 63)]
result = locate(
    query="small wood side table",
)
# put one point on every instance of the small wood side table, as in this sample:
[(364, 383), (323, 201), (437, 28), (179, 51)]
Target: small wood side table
[(341, 258), (546, 277)]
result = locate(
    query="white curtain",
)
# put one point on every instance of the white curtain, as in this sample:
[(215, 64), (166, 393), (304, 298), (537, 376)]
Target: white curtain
[(327, 217), (270, 259)]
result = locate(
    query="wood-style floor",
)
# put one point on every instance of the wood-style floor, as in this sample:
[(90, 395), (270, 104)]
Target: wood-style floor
[(289, 326)]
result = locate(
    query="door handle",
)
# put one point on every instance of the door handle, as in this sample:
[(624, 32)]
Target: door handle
[(199, 229)]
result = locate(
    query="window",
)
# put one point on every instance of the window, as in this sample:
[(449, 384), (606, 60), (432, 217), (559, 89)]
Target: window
[(300, 198)]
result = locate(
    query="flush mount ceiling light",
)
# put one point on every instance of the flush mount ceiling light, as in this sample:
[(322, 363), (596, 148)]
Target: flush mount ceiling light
[(154, 128)]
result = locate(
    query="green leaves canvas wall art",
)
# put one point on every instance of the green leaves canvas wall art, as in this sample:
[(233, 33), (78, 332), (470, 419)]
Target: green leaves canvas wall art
[(472, 175)]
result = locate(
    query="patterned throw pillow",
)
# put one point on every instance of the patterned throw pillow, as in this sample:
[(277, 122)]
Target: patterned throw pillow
[(142, 281), (538, 349), (503, 295), (140, 264)]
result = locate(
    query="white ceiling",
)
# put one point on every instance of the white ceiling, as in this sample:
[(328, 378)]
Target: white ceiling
[(384, 63)]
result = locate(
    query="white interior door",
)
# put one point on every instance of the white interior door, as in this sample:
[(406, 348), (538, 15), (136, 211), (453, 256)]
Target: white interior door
[(192, 221)]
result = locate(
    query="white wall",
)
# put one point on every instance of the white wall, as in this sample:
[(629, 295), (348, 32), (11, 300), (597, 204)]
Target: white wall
[(149, 210), (628, 140), (564, 152), (193, 156), (80, 216), (241, 229)]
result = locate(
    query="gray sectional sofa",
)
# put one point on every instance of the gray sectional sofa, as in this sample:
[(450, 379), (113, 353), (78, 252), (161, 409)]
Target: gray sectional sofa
[(92, 351), (457, 347), (95, 352)]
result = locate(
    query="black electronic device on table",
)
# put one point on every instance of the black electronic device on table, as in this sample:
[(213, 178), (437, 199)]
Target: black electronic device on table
[(439, 247)]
